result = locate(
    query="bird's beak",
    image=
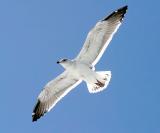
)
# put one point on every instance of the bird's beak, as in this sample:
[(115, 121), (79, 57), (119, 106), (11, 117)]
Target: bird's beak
[(58, 62)]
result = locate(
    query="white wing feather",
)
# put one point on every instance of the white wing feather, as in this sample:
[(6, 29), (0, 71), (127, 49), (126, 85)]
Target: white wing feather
[(100, 36)]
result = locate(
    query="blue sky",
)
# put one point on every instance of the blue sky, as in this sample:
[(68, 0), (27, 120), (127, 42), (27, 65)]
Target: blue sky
[(34, 34)]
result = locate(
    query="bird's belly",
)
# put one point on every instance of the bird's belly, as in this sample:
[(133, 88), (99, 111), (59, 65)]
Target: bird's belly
[(84, 72)]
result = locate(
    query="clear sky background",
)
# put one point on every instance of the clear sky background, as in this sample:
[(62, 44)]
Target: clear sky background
[(34, 34)]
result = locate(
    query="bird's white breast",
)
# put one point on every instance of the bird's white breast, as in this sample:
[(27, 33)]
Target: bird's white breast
[(82, 71)]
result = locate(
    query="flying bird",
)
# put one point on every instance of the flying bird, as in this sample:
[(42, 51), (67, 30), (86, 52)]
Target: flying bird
[(82, 67)]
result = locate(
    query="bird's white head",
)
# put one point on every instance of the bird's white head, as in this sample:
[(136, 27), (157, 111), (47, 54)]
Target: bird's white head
[(66, 63)]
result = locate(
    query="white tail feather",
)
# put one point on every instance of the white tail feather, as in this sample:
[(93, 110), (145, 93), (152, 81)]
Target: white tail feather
[(103, 79)]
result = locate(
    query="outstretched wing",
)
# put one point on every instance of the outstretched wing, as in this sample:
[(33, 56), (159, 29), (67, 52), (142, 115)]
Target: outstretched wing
[(54, 91), (100, 36)]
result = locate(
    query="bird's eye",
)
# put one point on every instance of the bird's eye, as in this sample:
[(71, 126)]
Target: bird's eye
[(64, 60)]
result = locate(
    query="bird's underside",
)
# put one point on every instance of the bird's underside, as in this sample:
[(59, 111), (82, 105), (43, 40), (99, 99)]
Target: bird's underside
[(79, 69)]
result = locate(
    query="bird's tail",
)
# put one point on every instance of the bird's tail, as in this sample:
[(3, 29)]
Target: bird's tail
[(102, 81)]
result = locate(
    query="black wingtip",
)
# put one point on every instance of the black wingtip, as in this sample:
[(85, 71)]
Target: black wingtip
[(121, 11), (38, 111), (34, 116), (124, 7)]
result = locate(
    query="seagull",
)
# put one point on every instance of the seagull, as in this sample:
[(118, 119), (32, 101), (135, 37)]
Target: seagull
[(82, 68)]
